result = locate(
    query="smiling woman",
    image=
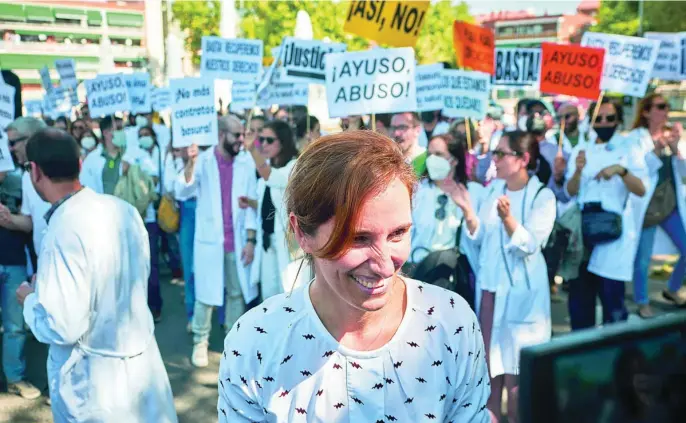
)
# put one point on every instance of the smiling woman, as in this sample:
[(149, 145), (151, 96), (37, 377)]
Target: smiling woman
[(360, 342)]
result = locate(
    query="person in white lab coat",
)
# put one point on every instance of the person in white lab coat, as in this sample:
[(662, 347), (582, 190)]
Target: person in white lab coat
[(603, 175), (101, 169), (667, 168), (435, 216), (225, 234), (274, 165), (512, 298), (89, 303)]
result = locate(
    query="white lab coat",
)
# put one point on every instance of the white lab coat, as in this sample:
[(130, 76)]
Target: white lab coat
[(522, 309), (91, 170), (90, 307), (566, 144), (424, 222), (208, 261), (278, 180)]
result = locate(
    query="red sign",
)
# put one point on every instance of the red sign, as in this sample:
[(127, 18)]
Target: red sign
[(474, 47), (571, 70)]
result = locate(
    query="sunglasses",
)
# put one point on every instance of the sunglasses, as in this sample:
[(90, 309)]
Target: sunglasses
[(14, 142), (440, 211), (267, 140), (661, 106), (606, 118), (500, 154)]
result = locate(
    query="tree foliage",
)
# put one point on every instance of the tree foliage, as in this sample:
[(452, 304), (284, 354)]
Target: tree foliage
[(197, 18), (622, 17)]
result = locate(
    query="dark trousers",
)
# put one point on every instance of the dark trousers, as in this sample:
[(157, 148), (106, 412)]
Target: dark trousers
[(154, 294), (583, 292)]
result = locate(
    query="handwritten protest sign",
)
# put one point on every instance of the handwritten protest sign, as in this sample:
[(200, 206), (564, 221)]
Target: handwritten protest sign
[(161, 99), (67, 70), (429, 80), (236, 59), (474, 46), (284, 95), (671, 57), (571, 70), (517, 67), (194, 117), (243, 96), (6, 105), (396, 23), (466, 93), (629, 61), (303, 61), (33, 107), (45, 80), (107, 94), (372, 81), (139, 87)]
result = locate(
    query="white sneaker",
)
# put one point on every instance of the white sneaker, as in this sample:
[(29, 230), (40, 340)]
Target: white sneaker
[(199, 357)]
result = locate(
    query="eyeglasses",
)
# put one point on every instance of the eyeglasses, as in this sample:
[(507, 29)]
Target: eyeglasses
[(440, 211), (500, 154), (399, 128), (16, 141), (266, 140), (661, 106), (606, 118)]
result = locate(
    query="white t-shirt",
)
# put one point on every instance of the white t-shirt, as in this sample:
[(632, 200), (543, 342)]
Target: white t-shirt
[(280, 364), (34, 206)]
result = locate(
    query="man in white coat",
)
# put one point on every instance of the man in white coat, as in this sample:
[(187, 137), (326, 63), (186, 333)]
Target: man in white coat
[(88, 301), (102, 166), (225, 234)]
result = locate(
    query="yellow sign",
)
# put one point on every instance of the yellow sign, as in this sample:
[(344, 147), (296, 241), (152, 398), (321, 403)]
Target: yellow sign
[(396, 23)]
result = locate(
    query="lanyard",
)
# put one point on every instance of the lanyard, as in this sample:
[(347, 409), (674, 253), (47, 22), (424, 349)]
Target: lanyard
[(502, 240)]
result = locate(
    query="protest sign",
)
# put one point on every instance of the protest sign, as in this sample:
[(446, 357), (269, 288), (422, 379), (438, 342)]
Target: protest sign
[(396, 23), (671, 61), (194, 117), (33, 107), (372, 81), (45, 79), (160, 99), (517, 67), (571, 70), (6, 105), (236, 59), (6, 162), (474, 46), (284, 95), (107, 94), (139, 88), (243, 96), (303, 61), (466, 93), (629, 62), (429, 80), (67, 70)]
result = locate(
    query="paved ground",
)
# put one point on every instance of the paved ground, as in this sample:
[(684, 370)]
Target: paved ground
[(195, 391)]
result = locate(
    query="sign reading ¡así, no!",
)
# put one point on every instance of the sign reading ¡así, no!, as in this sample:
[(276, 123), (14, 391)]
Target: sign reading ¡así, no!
[(372, 81), (466, 94), (474, 46), (236, 59), (517, 67), (571, 70), (396, 23), (107, 94), (193, 115)]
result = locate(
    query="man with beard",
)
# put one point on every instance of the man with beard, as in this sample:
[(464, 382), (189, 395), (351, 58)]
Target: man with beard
[(405, 129), (569, 113)]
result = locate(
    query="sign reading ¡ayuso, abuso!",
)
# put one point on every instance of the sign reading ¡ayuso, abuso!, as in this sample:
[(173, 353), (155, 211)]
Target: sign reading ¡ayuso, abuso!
[(396, 23), (139, 86), (571, 70), (107, 94), (303, 61), (429, 83), (629, 62), (466, 93), (237, 59), (193, 116), (671, 58), (517, 67), (373, 81)]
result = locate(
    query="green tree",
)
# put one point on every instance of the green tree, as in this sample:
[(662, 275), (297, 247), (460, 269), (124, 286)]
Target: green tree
[(435, 43), (621, 17), (197, 18)]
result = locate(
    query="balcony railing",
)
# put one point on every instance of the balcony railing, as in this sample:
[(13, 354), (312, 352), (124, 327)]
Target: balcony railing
[(73, 29), (29, 47)]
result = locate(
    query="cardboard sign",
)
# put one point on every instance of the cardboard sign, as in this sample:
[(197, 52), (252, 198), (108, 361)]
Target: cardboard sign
[(6, 162), (33, 107), (67, 70), (193, 115), (107, 94), (236, 59), (474, 46), (629, 61), (243, 96), (396, 23), (160, 99), (6, 105), (466, 94), (571, 70), (517, 67), (671, 57), (429, 83), (284, 95), (45, 80), (139, 87), (303, 61), (372, 81)]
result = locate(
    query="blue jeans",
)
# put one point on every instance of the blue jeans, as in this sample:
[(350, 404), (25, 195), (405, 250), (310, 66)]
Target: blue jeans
[(14, 338), (186, 235), (583, 292), (154, 293), (675, 230)]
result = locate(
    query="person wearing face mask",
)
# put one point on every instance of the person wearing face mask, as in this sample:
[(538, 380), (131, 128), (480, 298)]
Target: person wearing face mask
[(103, 166), (436, 218), (602, 176), (225, 234), (432, 126), (88, 142)]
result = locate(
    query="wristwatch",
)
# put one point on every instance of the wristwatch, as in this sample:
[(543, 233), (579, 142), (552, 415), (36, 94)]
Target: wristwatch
[(624, 172)]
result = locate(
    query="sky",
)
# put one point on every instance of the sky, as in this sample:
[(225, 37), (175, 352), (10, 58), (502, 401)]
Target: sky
[(477, 7)]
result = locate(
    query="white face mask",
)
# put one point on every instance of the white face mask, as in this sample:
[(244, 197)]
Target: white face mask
[(438, 167), (141, 121), (521, 123), (146, 142), (88, 143), (119, 139)]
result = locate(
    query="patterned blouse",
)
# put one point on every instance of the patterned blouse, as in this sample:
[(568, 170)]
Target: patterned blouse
[(280, 364)]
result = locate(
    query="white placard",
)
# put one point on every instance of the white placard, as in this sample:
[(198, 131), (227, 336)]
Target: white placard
[(629, 62), (193, 115), (67, 70), (372, 81), (6, 105), (466, 93), (517, 67), (303, 61), (671, 58), (284, 95), (60, 102), (139, 87), (33, 107), (237, 59), (45, 78), (161, 98), (107, 94), (243, 96), (429, 80), (6, 162)]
